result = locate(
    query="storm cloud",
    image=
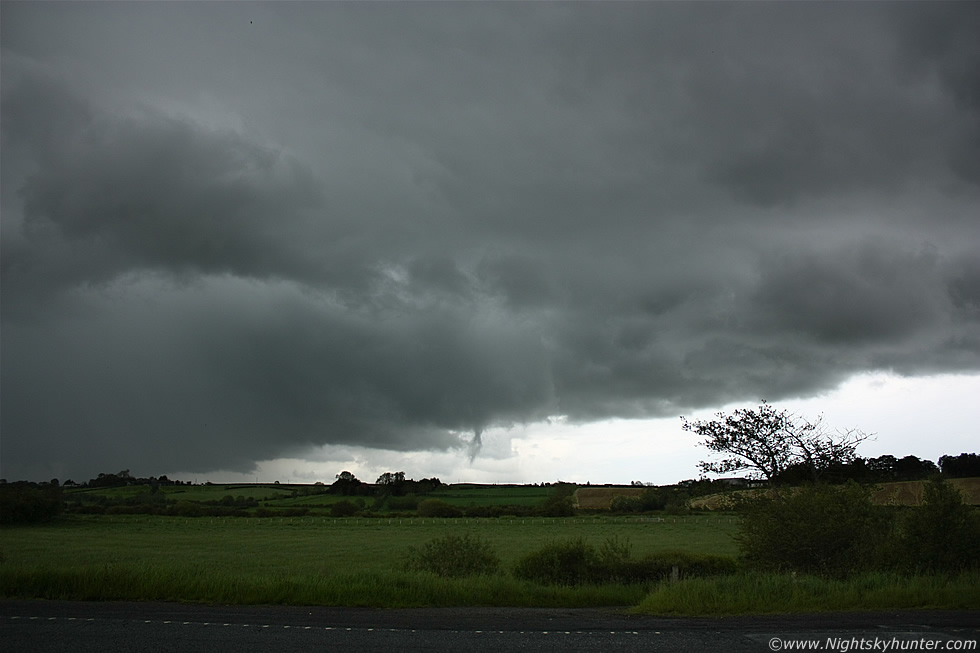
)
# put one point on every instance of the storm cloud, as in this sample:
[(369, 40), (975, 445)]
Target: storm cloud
[(237, 232)]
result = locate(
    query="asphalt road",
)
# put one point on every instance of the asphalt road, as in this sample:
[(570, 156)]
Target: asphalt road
[(79, 627)]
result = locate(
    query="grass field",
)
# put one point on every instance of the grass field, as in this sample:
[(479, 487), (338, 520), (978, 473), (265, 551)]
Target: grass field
[(314, 560), (359, 562), (463, 495), (260, 492)]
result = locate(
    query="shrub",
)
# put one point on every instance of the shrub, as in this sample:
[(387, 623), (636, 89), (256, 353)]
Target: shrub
[(23, 502), (482, 511), (673, 500), (614, 561), (571, 562), (187, 509), (659, 566), (819, 529), (622, 503), (343, 508), (677, 507), (560, 503), (558, 506), (454, 556), (437, 508), (575, 562), (90, 509), (407, 502), (655, 498), (517, 511), (941, 535), (614, 551)]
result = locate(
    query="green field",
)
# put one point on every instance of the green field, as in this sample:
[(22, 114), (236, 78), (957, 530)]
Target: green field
[(461, 495), (318, 545), (315, 560), (464, 494), (359, 562), (260, 492)]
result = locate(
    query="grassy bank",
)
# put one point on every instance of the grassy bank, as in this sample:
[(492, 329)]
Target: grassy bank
[(391, 589), (758, 593)]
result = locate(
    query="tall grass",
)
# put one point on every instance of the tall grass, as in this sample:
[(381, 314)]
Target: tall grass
[(762, 593), (384, 590)]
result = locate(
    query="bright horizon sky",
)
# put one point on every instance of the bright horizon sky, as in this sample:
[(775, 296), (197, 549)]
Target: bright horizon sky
[(898, 410)]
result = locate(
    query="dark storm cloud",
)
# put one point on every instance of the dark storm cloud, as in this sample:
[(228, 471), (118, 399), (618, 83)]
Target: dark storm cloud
[(149, 192), (210, 371), (233, 232), (868, 294)]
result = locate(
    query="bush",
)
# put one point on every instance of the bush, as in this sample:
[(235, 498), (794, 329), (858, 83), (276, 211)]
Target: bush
[(622, 503), (187, 509), (558, 506), (614, 551), (23, 502), (343, 508), (575, 562), (454, 556), (673, 500), (571, 562), (437, 508), (941, 535), (819, 529), (407, 502), (675, 507), (90, 509), (614, 561), (482, 511), (660, 566), (560, 503)]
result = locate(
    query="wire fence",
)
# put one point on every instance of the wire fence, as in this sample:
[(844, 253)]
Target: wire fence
[(414, 521)]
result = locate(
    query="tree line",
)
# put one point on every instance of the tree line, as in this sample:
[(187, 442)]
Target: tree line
[(388, 484), (884, 469)]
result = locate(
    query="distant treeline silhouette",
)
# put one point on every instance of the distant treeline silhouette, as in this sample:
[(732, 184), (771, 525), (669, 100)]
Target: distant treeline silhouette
[(388, 484), (27, 501), (885, 469)]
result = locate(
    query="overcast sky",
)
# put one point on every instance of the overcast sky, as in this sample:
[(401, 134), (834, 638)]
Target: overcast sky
[(487, 241)]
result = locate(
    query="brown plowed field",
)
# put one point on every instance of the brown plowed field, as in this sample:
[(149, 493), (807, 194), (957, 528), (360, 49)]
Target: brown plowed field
[(903, 493), (600, 498), (909, 493)]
